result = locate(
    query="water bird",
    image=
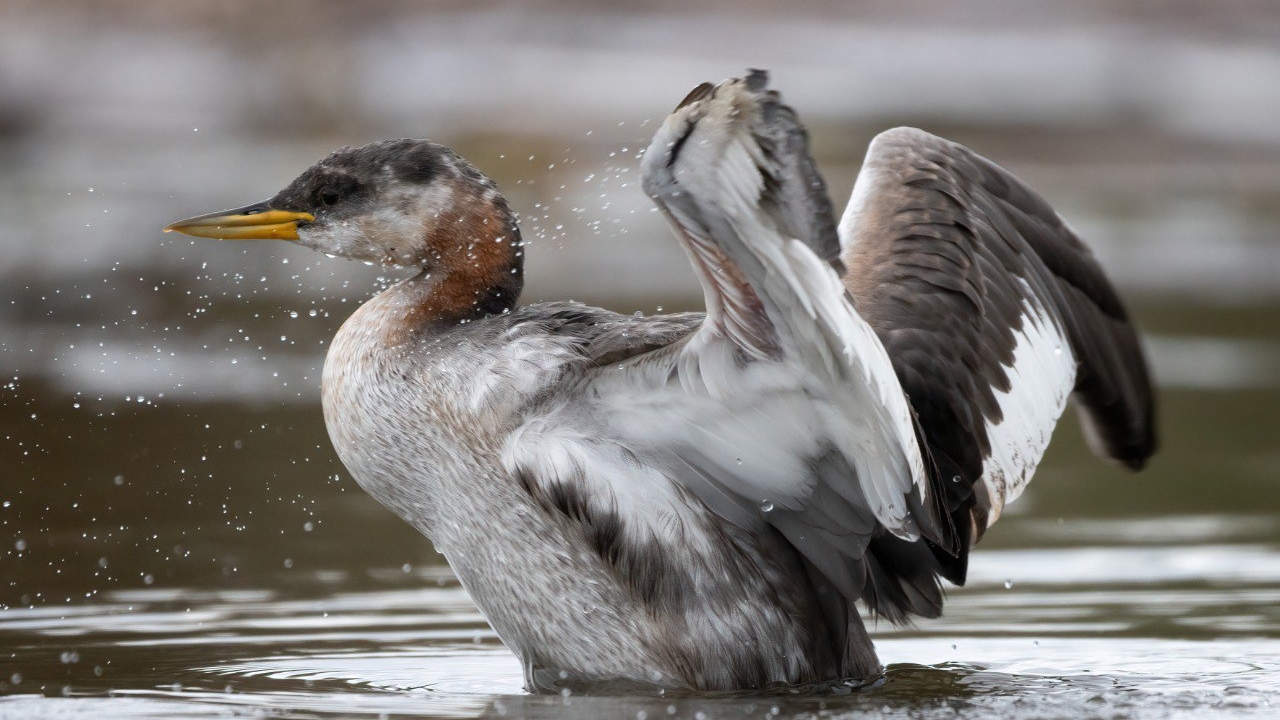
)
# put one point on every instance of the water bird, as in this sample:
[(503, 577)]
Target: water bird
[(698, 501)]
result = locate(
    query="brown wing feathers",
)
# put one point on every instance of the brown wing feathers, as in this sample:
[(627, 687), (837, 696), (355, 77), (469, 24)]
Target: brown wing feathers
[(1113, 386), (941, 257)]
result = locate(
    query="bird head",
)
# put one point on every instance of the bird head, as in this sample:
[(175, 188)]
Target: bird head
[(407, 203)]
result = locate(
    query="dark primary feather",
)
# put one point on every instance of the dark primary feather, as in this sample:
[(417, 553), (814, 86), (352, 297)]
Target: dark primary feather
[(934, 260), (795, 195)]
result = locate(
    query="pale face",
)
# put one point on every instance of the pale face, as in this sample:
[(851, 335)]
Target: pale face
[(391, 228), (380, 203), (384, 203)]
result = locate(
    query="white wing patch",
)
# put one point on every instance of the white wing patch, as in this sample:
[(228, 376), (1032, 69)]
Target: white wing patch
[(1041, 379)]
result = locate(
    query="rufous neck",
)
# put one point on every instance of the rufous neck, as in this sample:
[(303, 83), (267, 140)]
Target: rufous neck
[(475, 266)]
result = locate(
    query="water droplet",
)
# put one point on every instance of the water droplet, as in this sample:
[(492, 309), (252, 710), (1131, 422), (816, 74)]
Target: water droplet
[(766, 506), (1008, 584)]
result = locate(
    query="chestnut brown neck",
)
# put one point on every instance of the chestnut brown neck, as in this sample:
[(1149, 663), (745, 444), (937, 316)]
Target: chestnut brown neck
[(475, 264)]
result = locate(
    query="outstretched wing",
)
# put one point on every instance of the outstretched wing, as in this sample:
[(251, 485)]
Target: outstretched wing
[(872, 420), (993, 313), (781, 414), (731, 169)]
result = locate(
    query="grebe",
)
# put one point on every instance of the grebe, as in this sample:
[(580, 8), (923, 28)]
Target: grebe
[(697, 501)]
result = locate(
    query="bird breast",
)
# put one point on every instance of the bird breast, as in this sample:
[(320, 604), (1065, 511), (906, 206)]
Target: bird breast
[(392, 421)]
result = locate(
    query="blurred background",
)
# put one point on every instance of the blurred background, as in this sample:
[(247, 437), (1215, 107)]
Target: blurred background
[(160, 429)]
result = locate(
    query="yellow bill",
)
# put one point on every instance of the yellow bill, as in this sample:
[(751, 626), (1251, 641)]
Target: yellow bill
[(255, 222)]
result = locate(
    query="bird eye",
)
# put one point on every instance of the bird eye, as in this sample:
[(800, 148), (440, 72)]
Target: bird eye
[(329, 196)]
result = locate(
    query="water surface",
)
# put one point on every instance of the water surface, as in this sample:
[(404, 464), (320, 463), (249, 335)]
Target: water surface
[(1111, 629)]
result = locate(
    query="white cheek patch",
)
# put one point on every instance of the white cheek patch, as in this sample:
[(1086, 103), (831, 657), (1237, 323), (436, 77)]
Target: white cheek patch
[(434, 199), (394, 236), (345, 239), (394, 233), (404, 219)]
